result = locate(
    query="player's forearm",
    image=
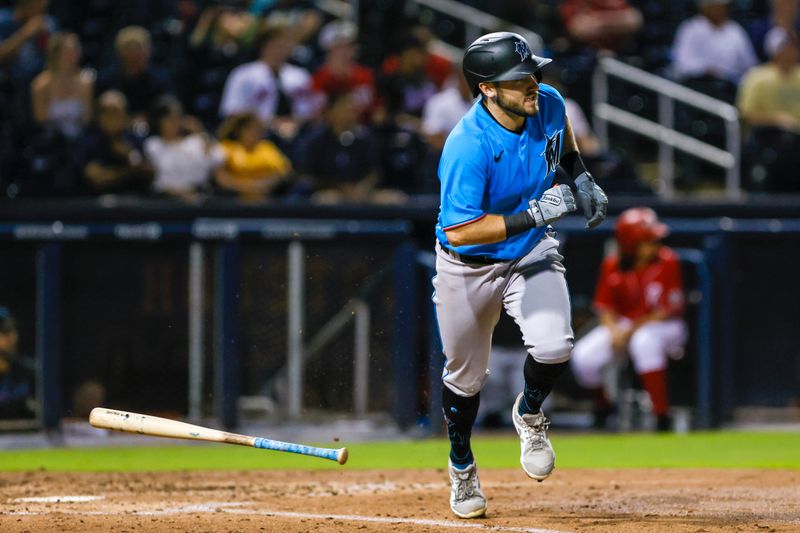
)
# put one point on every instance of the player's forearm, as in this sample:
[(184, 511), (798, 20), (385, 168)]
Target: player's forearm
[(571, 160), (554, 203), (10, 47), (652, 316), (608, 319), (487, 230)]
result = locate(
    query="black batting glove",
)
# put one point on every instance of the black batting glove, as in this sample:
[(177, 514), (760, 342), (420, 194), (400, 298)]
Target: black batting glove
[(591, 199)]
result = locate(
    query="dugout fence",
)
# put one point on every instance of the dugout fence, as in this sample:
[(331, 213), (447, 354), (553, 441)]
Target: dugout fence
[(243, 307), (191, 313)]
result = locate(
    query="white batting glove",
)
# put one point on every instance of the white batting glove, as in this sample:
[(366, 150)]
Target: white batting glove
[(556, 202)]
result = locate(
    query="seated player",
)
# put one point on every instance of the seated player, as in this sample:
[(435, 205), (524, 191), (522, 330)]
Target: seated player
[(639, 299)]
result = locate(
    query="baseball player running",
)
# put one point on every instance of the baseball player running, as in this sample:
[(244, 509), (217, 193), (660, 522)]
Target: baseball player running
[(639, 299), (495, 248)]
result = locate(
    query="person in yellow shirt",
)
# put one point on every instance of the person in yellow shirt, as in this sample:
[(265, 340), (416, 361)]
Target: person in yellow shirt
[(769, 103), (254, 166), (770, 93)]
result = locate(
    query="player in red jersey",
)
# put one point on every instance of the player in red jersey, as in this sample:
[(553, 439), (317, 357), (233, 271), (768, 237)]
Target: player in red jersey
[(639, 300)]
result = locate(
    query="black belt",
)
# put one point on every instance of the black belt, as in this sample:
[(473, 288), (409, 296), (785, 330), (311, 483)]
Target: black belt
[(480, 259)]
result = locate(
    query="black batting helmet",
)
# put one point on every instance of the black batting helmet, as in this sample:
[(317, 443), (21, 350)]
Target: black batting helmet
[(500, 56)]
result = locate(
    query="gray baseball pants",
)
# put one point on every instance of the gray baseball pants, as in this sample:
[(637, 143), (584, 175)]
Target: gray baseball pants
[(469, 297)]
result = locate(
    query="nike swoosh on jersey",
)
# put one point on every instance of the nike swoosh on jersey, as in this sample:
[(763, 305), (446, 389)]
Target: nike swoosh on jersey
[(498, 156)]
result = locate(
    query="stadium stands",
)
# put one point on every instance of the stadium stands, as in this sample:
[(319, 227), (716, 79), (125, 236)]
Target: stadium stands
[(189, 49)]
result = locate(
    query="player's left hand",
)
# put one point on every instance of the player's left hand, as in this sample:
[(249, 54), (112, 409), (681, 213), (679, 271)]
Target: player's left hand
[(592, 200)]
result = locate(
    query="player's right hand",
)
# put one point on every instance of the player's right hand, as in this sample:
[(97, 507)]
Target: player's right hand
[(556, 202)]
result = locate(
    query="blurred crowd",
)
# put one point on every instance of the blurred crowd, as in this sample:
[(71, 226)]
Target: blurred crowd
[(277, 99)]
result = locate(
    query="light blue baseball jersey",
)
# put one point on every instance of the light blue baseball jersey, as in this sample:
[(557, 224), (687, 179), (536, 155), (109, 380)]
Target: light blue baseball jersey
[(486, 168)]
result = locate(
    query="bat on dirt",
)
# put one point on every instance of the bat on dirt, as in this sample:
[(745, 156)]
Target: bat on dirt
[(101, 417)]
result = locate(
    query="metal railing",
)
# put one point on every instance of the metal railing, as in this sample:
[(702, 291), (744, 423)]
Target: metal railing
[(664, 130), (299, 351), (476, 23), (300, 346)]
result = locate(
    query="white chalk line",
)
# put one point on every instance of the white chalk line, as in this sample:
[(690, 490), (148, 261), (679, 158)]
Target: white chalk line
[(335, 489), (210, 507), (393, 520), (338, 488), (227, 507), (75, 498)]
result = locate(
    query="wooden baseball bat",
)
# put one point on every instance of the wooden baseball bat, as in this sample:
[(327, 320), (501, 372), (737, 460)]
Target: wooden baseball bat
[(100, 417)]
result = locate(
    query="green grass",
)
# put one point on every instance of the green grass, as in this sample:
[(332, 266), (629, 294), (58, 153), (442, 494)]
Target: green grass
[(695, 450)]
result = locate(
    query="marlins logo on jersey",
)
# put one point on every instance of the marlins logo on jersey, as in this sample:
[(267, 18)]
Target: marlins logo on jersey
[(552, 151)]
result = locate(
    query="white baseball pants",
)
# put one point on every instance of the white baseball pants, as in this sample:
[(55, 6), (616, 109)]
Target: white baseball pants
[(649, 347)]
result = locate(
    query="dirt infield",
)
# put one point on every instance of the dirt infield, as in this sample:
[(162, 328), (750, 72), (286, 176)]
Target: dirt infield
[(414, 501)]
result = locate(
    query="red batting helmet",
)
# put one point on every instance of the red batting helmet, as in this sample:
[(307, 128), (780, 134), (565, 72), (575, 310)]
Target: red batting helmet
[(637, 225)]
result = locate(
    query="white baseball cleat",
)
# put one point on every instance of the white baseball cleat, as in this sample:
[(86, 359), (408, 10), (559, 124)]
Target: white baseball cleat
[(466, 498), (536, 454)]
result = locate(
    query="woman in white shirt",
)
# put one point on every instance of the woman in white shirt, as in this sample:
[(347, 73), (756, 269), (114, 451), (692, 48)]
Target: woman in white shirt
[(62, 94), (183, 155)]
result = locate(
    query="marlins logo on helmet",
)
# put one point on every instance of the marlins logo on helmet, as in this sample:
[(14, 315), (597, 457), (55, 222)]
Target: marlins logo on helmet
[(522, 50)]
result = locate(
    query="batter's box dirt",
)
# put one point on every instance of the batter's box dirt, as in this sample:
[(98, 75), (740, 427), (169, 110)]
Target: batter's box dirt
[(415, 501)]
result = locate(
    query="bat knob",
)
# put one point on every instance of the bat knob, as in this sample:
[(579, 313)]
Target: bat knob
[(341, 456)]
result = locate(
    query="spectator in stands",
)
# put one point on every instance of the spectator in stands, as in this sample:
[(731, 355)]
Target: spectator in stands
[(602, 24), (277, 92), (305, 20), (405, 159), (254, 167), (769, 102), (340, 158), (183, 155), (770, 93), (437, 68), (111, 155), (215, 48), (133, 74), (62, 94), (24, 30), (407, 88), (341, 72), (17, 373), (711, 52), (784, 13), (444, 109)]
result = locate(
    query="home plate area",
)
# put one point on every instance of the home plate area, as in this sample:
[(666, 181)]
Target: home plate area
[(405, 500)]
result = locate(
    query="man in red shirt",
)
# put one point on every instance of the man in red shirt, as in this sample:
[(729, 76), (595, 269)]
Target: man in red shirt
[(602, 24), (639, 300), (340, 72), (437, 68)]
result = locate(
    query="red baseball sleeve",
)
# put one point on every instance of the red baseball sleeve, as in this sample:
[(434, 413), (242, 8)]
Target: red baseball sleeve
[(672, 298)]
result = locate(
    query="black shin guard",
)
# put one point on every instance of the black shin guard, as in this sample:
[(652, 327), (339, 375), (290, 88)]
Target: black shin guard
[(539, 379), (459, 413)]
